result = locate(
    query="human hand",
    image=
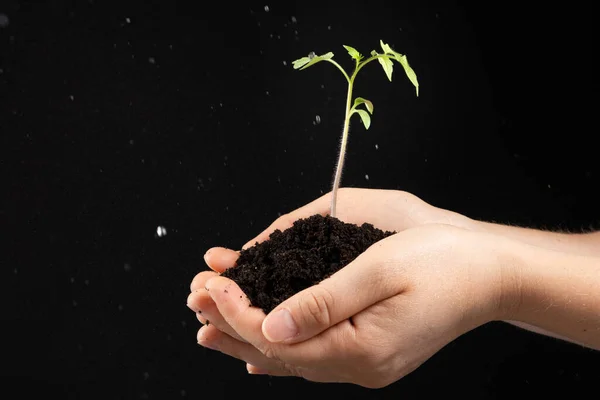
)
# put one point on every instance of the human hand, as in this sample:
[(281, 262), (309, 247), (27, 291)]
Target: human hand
[(378, 318), (390, 210)]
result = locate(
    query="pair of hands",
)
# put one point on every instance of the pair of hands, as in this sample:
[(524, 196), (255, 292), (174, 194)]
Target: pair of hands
[(377, 319)]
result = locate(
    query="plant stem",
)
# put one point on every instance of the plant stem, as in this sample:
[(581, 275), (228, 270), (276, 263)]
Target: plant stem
[(340, 164)]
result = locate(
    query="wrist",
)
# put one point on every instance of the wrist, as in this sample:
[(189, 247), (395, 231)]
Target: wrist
[(556, 292), (508, 287), (495, 280)]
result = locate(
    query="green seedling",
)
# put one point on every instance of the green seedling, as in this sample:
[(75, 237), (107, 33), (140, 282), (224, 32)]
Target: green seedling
[(385, 59)]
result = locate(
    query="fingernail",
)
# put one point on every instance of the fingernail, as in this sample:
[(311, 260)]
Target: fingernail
[(254, 370), (280, 326), (206, 254), (189, 302)]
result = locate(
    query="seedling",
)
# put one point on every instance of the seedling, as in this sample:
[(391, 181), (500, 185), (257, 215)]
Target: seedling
[(385, 59)]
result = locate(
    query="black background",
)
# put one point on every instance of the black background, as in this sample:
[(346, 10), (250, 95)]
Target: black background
[(120, 117)]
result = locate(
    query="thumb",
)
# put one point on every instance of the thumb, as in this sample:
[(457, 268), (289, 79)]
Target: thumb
[(363, 282)]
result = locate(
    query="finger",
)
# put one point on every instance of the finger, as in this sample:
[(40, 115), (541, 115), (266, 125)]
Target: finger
[(207, 312), (220, 258), (318, 206), (321, 376), (255, 370), (231, 302), (212, 338), (247, 322), (202, 319), (368, 279), (200, 280)]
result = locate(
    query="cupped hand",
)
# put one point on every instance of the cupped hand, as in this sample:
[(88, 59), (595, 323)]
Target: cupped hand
[(377, 319), (391, 210)]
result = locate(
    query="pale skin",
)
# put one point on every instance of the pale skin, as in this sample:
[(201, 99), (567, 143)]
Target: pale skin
[(382, 316)]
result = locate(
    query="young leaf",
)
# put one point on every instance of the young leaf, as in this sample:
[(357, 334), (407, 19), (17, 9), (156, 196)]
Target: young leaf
[(409, 72), (300, 62), (353, 53), (367, 103), (401, 58), (386, 63), (306, 62), (365, 117), (386, 48)]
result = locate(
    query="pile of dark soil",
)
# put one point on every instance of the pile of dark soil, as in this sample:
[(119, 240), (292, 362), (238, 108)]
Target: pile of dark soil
[(299, 257)]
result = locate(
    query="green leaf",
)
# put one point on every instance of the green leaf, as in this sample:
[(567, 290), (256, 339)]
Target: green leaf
[(300, 62), (353, 53), (401, 58), (386, 49), (409, 72), (306, 62), (387, 65), (367, 103), (365, 117)]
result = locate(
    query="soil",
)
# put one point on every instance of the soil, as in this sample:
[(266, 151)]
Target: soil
[(299, 257)]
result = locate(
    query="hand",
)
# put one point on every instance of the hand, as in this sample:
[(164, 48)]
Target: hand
[(391, 210), (375, 320)]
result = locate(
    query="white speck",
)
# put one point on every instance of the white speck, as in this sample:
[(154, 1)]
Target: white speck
[(367, 177), (72, 97), (152, 60), (161, 231), (266, 8), (322, 86), (183, 393), (318, 119), (329, 27), (127, 267), (284, 62), (1, 71), (146, 375), (294, 20), (267, 92), (4, 21), (120, 307), (86, 282), (72, 280), (271, 35), (16, 271), (376, 146), (128, 20), (131, 142), (549, 187), (425, 160), (220, 104), (74, 303)]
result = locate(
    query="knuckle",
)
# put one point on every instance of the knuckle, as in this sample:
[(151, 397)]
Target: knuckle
[(269, 352), (290, 369), (316, 306)]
